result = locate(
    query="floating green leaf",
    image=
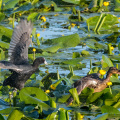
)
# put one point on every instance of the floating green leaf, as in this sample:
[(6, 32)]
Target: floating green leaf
[(24, 7), (7, 110), (103, 116), (10, 4), (62, 114), (107, 61), (72, 1), (2, 16), (65, 41), (34, 95), (95, 45), (74, 94), (5, 31), (4, 45), (84, 53), (110, 110), (15, 114), (52, 49), (33, 16), (94, 97), (109, 22), (73, 61)]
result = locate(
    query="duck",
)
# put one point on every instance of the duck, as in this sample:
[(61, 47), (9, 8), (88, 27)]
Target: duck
[(18, 62), (93, 81)]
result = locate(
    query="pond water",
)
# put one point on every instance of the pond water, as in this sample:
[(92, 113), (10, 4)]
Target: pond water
[(56, 30)]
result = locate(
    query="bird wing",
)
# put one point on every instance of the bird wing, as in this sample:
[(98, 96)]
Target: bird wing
[(9, 65), (20, 42), (17, 68), (81, 84)]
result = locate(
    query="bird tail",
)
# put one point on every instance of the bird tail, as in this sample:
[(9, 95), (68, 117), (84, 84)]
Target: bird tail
[(69, 100)]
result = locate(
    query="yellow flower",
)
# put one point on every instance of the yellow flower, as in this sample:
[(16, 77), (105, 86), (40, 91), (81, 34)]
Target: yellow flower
[(43, 18), (38, 34), (72, 24), (119, 18), (56, 14), (70, 103), (81, 116), (47, 91), (52, 5), (109, 83), (102, 72), (62, 34), (112, 48), (31, 36), (52, 87), (34, 49), (20, 14), (10, 93), (106, 3), (47, 71)]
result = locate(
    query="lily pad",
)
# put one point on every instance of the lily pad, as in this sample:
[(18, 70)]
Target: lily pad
[(73, 61), (72, 1), (2, 16), (34, 95), (4, 45), (106, 61), (52, 49), (33, 16), (95, 45), (15, 114), (5, 31), (103, 116), (109, 21), (10, 4), (110, 110), (65, 41)]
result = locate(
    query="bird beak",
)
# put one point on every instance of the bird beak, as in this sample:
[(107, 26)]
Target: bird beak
[(45, 63)]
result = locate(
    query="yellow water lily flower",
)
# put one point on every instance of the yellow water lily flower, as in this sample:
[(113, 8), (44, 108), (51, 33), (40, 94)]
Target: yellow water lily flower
[(81, 116), (72, 24), (106, 3), (112, 48), (38, 34), (52, 5), (56, 14), (70, 103), (43, 18), (34, 49), (102, 72), (109, 83), (20, 14), (47, 91), (52, 87)]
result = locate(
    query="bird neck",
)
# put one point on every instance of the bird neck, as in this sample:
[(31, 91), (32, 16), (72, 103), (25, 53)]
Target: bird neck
[(35, 65), (107, 79)]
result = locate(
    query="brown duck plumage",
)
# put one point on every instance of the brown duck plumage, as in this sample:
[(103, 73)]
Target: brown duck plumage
[(93, 81)]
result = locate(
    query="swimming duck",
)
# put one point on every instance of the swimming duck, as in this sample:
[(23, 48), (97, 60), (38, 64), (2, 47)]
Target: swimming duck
[(18, 53), (93, 81)]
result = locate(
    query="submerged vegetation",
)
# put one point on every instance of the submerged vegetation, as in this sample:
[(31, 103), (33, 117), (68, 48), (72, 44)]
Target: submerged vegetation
[(77, 37)]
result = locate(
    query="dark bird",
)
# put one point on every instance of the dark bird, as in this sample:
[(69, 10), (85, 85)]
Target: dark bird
[(93, 81), (18, 53)]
